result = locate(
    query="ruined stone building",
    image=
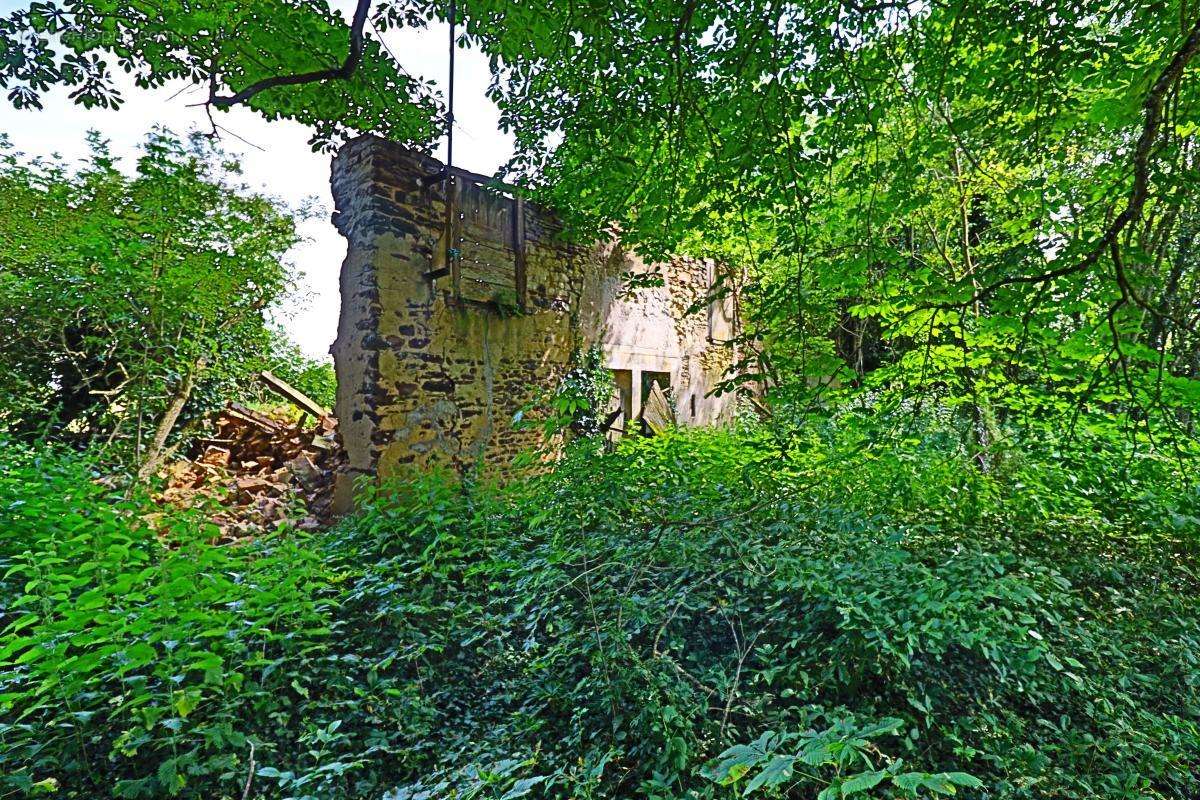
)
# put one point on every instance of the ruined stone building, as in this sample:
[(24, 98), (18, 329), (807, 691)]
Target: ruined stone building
[(455, 315)]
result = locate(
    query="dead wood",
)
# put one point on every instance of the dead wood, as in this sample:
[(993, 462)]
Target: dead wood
[(293, 395)]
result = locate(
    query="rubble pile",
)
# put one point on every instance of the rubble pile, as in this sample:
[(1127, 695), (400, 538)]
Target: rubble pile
[(260, 470)]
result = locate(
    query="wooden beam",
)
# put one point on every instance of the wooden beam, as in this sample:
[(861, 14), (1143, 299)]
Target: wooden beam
[(293, 395), (240, 413), (453, 234), (518, 220), (657, 411)]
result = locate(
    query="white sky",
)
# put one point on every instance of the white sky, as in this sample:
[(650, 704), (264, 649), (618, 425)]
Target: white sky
[(285, 167)]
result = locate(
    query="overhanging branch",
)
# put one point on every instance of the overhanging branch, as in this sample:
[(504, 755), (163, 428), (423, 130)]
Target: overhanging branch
[(1152, 108), (343, 72)]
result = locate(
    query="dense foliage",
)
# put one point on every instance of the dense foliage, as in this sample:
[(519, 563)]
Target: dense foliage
[(133, 302), (854, 607), (991, 204), (961, 555), (231, 49), (138, 657)]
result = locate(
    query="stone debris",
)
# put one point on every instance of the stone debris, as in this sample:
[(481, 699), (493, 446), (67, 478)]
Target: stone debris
[(258, 471)]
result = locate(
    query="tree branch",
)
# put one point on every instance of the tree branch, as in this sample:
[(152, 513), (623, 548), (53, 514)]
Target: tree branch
[(353, 59), (1152, 108)]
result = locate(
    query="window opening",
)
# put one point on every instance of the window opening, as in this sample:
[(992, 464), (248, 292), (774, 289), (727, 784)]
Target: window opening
[(621, 404)]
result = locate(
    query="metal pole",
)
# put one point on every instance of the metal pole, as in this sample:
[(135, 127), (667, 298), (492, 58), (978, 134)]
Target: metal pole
[(450, 105)]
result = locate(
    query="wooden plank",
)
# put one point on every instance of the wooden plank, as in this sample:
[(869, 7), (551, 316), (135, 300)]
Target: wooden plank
[(494, 258), (486, 216), (241, 413), (502, 274), (519, 279), (293, 395), (484, 181), (657, 413), (483, 291)]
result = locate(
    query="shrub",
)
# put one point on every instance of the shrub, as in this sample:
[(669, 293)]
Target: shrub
[(612, 629), (138, 659), (700, 615)]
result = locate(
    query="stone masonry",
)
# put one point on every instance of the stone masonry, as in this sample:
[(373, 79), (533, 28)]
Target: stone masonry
[(455, 315)]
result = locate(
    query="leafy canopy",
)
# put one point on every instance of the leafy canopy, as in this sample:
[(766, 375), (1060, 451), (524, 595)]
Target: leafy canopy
[(993, 201), (219, 46)]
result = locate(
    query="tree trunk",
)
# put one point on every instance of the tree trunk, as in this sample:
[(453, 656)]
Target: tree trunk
[(167, 423)]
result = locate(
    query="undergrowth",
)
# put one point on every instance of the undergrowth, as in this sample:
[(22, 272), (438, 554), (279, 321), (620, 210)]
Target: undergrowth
[(701, 615)]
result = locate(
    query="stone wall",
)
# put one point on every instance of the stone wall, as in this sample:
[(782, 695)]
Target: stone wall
[(454, 318)]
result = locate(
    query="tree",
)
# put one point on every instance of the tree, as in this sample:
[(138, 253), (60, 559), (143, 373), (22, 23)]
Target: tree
[(994, 190), (317, 70), (127, 296), (998, 194)]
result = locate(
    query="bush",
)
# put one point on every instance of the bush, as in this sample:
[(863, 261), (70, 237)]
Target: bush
[(700, 615), (615, 627), (138, 659), (134, 304)]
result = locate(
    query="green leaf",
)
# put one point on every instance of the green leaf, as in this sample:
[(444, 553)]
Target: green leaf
[(862, 782), (963, 779), (139, 654), (909, 781), (777, 771), (186, 702), (523, 787)]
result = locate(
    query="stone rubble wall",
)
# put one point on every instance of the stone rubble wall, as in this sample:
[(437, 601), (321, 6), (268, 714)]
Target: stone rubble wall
[(432, 369)]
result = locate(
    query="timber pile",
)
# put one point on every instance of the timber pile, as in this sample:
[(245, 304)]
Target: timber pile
[(260, 470)]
